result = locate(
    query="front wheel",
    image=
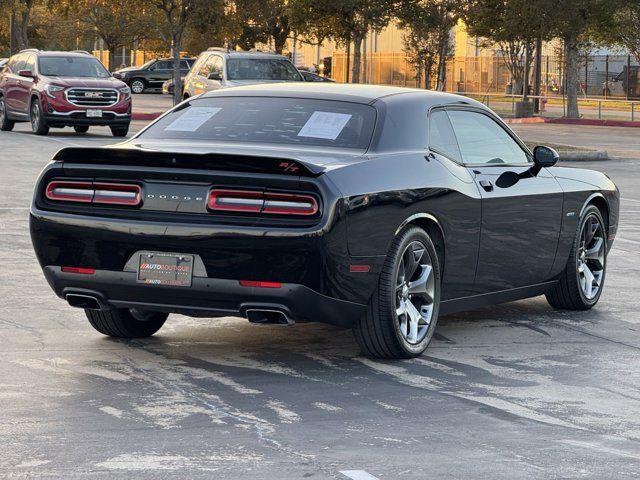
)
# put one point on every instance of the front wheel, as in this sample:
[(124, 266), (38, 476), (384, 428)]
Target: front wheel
[(581, 282), (126, 323), (402, 313), (38, 123), (6, 125), (138, 86), (120, 131)]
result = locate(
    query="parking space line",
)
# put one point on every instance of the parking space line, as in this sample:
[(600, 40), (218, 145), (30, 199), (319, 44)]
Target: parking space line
[(358, 475), (624, 240)]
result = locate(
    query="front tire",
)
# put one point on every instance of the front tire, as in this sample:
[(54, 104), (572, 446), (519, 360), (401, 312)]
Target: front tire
[(38, 123), (6, 125), (138, 85), (126, 323), (403, 312), (582, 281), (120, 131)]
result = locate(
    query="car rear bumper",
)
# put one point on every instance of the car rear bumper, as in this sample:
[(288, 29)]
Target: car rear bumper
[(205, 297)]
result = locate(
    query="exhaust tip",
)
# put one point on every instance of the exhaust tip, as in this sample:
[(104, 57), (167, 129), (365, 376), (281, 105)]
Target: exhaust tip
[(83, 301), (268, 317)]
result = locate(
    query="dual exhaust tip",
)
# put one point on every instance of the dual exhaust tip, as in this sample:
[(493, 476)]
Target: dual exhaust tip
[(258, 316)]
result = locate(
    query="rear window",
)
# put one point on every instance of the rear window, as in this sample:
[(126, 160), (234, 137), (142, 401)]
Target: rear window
[(289, 121), (261, 69), (87, 66)]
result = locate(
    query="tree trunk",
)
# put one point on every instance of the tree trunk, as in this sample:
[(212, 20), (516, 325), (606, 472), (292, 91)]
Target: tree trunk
[(357, 51), (177, 80), (19, 29), (571, 59), (280, 41), (442, 60)]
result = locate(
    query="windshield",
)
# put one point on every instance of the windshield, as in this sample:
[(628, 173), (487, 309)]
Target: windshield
[(261, 69), (72, 67), (289, 121)]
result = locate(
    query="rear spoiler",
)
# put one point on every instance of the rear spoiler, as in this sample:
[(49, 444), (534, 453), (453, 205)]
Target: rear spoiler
[(207, 161)]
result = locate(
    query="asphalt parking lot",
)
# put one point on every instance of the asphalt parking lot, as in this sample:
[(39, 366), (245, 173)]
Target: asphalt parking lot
[(517, 391)]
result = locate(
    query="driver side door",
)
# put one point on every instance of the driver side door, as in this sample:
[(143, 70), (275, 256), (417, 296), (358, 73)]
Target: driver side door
[(520, 223)]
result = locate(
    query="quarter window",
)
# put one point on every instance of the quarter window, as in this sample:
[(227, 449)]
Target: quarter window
[(482, 141), (441, 137)]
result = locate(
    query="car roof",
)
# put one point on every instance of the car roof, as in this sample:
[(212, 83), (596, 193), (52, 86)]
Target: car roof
[(242, 54), (56, 53), (366, 94)]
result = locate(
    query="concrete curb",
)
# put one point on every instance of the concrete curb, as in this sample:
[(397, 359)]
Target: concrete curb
[(593, 122), (593, 156), (524, 120), (145, 115)]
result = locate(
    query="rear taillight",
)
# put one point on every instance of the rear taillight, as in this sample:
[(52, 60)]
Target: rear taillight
[(262, 202), (94, 192), (70, 191), (117, 194), (79, 270)]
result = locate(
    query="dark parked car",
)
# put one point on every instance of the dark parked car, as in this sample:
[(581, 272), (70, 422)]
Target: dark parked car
[(314, 77), (376, 208), (62, 89), (152, 74)]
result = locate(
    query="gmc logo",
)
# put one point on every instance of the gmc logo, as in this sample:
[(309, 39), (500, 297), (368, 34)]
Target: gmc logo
[(92, 94)]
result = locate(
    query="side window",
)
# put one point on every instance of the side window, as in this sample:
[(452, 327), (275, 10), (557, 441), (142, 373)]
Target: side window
[(18, 63), (164, 65), (205, 70), (198, 64), (30, 64), (217, 66), (482, 141), (184, 65), (441, 137)]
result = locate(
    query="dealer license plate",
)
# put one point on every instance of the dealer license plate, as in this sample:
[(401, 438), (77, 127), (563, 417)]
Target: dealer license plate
[(94, 113), (165, 269)]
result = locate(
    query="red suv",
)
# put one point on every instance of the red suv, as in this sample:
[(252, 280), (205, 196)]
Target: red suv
[(62, 89)]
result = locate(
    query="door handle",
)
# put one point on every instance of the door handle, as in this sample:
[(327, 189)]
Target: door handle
[(487, 185)]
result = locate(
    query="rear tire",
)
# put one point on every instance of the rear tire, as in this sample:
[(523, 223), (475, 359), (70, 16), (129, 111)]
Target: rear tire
[(126, 323), (81, 128), (582, 281), (403, 312), (120, 131), (6, 125), (38, 123)]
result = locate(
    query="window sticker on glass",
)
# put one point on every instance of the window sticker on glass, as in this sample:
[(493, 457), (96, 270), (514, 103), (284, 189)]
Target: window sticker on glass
[(325, 125), (192, 119)]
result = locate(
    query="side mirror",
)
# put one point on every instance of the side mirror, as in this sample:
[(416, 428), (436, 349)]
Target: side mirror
[(26, 73), (215, 76), (545, 157)]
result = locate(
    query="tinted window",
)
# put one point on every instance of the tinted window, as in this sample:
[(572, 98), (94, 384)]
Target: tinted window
[(84, 66), (287, 121), (164, 65), (481, 140), (441, 137), (261, 69), (184, 65)]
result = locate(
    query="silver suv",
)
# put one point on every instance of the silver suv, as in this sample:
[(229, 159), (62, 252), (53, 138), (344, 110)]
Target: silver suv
[(220, 68)]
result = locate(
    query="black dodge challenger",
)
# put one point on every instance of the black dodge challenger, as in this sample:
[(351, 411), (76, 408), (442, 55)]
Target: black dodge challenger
[(376, 208)]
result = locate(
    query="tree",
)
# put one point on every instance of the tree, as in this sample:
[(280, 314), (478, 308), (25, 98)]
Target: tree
[(175, 15), (19, 16), (625, 29), (112, 20), (344, 21), (515, 26), (573, 20), (429, 23)]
